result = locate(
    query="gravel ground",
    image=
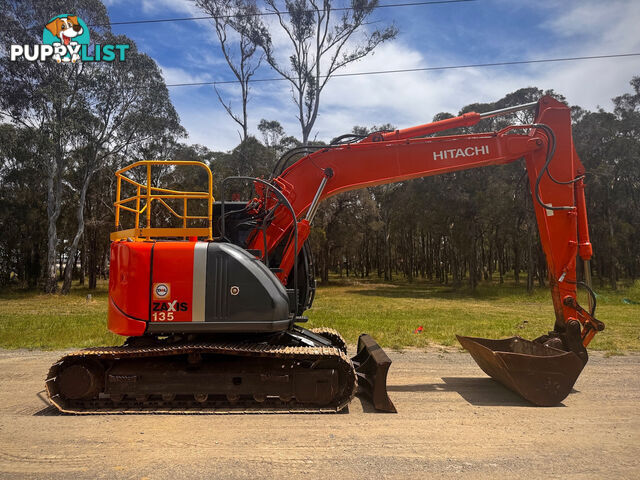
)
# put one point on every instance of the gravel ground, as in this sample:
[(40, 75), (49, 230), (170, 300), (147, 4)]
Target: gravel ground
[(453, 422)]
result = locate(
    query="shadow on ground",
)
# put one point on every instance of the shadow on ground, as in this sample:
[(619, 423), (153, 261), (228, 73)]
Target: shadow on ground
[(482, 392), (49, 411)]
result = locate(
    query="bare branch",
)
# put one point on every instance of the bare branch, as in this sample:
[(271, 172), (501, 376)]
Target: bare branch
[(315, 36)]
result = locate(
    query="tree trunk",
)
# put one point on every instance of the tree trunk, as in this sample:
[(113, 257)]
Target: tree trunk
[(54, 206), (473, 267), (83, 260), (531, 262), (501, 268), (324, 272), (387, 252), (613, 274), (66, 285), (51, 275)]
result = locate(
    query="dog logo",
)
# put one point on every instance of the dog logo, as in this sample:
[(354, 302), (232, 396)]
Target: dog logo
[(65, 38), (67, 33)]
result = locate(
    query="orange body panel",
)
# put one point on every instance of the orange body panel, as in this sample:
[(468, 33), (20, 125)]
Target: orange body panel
[(173, 269), (129, 269), (121, 324), (152, 292), (140, 292)]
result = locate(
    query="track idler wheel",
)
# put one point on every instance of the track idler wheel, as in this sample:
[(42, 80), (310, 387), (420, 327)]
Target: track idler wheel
[(83, 379), (539, 373), (372, 365), (168, 397)]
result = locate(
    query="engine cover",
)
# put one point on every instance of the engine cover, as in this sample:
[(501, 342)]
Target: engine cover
[(181, 286)]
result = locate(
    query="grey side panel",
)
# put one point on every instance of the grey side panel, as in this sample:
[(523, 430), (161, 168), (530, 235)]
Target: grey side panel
[(199, 281), (222, 327), (242, 294), (217, 306)]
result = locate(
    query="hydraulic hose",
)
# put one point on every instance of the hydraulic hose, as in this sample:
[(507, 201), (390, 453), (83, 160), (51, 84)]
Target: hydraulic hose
[(551, 150)]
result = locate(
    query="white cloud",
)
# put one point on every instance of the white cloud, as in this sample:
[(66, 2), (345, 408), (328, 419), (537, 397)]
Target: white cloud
[(597, 24), (405, 99), (164, 6), (173, 75)]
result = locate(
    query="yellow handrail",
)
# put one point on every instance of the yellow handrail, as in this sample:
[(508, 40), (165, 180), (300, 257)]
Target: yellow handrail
[(148, 194)]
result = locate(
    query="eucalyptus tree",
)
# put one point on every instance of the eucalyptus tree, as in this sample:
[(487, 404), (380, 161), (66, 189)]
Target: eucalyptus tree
[(78, 113), (127, 104), (320, 44), (235, 23), (45, 98)]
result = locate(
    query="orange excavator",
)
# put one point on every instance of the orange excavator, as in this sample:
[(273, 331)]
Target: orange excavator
[(212, 305)]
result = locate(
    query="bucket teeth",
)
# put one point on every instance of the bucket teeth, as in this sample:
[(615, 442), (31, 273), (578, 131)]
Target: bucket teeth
[(540, 374), (372, 365)]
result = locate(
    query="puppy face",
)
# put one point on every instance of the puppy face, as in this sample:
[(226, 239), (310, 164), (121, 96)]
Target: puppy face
[(65, 28)]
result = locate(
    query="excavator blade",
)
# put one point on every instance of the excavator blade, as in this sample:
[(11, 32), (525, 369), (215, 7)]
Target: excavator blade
[(541, 374), (372, 365)]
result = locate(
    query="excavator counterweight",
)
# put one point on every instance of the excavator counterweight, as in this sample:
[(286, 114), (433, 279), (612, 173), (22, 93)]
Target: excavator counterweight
[(212, 304)]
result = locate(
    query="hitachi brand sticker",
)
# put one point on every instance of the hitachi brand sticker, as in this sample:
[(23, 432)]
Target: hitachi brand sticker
[(461, 152)]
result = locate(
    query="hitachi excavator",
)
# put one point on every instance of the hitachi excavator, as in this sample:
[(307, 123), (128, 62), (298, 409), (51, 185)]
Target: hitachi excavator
[(211, 305)]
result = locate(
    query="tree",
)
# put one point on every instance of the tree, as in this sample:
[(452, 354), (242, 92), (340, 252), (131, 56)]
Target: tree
[(319, 47), (341, 233), (80, 114), (21, 190), (609, 146), (126, 103), (272, 132), (44, 97), (236, 22)]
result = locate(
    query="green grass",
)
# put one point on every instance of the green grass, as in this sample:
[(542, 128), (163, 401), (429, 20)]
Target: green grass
[(389, 312), (50, 322)]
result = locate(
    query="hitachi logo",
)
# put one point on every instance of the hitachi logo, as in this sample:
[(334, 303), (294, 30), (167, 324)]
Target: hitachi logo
[(461, 152)]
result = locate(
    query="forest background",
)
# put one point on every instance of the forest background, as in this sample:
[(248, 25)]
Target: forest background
[(65, 131)]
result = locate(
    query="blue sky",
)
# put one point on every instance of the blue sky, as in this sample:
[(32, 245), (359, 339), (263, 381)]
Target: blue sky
[(449, 34)]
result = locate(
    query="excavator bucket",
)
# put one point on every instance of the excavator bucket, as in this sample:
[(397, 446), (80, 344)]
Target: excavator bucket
[(372, 365), (541, 374)]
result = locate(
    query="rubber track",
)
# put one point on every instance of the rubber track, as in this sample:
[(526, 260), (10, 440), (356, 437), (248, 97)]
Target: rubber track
[(333, 336), (271, 405)]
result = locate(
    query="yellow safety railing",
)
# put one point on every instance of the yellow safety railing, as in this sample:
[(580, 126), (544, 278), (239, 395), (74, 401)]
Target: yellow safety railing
[(147, 194)]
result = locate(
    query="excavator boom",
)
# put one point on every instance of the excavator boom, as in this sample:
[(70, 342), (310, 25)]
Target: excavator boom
[(556, 178)]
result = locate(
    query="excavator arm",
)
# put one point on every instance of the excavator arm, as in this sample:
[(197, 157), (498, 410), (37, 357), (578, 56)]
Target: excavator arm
[(556, 178), (554, 170)]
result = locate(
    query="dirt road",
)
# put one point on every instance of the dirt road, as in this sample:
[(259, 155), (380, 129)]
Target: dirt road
[(453, 422)]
